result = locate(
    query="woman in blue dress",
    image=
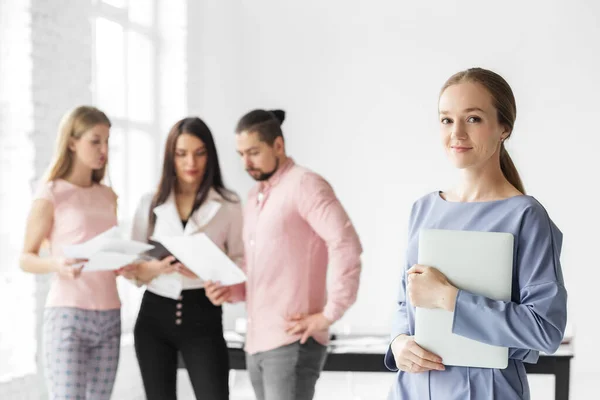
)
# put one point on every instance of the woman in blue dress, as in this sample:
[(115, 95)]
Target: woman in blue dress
[(477, 112)]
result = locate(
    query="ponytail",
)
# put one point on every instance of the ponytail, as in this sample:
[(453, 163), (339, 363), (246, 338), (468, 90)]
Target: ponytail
[(509, 170)]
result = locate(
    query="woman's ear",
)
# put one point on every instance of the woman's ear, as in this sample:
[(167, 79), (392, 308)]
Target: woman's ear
[(505, 134), (71, 144)]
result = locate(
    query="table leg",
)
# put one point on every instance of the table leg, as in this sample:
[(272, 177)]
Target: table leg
[(561, 384)]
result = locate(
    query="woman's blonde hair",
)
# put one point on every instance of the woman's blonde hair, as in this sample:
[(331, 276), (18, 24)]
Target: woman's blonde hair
[(73, 125)]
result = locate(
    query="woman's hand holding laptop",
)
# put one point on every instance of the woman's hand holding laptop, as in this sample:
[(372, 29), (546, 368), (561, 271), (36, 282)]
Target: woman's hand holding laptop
[(410, 357), (429, 288)]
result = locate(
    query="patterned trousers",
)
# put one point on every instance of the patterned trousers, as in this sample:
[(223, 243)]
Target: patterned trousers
[(81, 352)]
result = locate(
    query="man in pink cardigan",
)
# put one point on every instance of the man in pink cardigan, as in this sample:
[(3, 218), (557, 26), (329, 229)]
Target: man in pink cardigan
[(294, 228)]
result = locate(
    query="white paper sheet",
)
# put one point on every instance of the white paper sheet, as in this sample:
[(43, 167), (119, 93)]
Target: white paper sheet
[(204, 258), (106, 251), (107, 261)]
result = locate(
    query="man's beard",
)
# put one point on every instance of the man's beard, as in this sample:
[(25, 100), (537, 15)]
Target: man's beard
[(264, 176)]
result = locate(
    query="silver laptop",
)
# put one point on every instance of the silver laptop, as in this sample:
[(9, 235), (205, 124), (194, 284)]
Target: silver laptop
[(478, 262)]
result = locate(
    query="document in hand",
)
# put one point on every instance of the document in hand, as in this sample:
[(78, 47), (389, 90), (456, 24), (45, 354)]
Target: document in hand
[(478, 262), (204, 258), (106, 251)]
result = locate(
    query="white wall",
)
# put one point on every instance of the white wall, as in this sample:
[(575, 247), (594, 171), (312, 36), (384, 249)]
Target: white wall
[(16, 152), (360, 80)]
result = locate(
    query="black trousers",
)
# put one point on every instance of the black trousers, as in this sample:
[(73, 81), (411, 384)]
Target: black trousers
[(191, 326)]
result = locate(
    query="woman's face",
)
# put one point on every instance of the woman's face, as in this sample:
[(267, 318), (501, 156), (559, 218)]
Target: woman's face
[(469, 127), (190, 159), (91, 149)]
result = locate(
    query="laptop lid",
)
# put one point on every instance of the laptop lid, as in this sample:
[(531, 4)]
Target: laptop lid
[(477, 262)]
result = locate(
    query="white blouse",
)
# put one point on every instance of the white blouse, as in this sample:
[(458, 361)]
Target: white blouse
[(219, 219)]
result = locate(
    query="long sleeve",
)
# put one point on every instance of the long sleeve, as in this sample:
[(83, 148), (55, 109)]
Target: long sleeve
[(322, 210), (139, 226), (400, 317), (399, 324), (537, 321), (235, 250)]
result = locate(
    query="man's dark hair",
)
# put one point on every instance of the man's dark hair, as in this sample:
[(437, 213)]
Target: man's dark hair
[(267, 124)]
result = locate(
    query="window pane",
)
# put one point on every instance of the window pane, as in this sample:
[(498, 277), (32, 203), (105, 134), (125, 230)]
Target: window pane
[(140, 69), (115, 3), (110, 68), (141, 11), (116, 169), (141, 166)]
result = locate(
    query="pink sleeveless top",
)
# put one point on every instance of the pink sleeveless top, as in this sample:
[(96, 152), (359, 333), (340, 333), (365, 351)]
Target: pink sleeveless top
[(80, 213)]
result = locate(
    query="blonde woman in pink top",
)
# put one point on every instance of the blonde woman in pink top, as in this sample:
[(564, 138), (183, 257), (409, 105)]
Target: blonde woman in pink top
[(82, 321)]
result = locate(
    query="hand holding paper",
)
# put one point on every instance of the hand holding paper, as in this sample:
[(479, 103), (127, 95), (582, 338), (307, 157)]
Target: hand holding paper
[(69, 268), (129, 271), (216, 293), (106, 251), (149, 270), (185, 271)]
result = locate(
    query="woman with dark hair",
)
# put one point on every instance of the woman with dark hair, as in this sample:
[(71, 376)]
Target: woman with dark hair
[(175, 314)]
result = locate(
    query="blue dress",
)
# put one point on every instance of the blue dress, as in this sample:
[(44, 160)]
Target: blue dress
[(533, 321)]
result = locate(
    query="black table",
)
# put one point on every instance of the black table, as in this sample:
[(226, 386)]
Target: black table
[(558, 364)]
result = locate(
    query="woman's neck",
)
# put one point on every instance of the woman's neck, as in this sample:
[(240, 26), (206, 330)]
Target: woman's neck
[(487, 183), (80, 176), (183, 189)]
